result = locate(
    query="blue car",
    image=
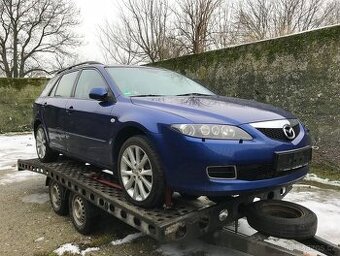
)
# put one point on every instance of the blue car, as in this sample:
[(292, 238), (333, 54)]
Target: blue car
[(158, 130)]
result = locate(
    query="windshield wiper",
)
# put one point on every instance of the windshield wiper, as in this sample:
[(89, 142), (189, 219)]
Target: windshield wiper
[(148, 95), (194, 94)]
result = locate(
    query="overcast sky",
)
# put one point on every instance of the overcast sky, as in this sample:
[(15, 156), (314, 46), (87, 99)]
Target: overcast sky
[(93, 13)]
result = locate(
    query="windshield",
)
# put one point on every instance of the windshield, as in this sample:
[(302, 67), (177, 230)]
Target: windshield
[(134, 82)]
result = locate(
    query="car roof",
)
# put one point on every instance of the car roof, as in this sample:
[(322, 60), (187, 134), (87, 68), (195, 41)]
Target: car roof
[(95, 63)]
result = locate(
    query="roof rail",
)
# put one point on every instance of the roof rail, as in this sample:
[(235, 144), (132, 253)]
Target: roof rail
[(79, 64)]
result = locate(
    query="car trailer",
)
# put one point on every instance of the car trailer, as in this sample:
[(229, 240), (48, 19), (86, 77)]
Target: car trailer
[(179, 219)]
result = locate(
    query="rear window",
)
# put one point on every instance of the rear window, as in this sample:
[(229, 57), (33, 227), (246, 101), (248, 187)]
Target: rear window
[(65, 85)]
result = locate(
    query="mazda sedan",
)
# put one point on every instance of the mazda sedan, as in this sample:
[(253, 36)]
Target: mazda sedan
[(158, 130)]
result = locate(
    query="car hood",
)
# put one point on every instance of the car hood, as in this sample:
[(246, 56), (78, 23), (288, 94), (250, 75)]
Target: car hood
[(214, 109)]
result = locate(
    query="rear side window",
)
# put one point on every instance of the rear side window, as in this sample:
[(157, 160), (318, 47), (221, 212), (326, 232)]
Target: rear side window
[(49, 86), (65, 85), (88, 80)]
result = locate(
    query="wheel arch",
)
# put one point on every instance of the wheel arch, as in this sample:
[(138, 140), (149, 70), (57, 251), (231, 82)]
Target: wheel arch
[(36, 123), (123, 134)]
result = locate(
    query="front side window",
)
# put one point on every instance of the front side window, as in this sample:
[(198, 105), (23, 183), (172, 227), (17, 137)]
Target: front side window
[(65, 85), (134, 81), (88, 80)]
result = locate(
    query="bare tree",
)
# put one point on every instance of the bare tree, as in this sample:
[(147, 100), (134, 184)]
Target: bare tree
[(142, 34), (225, 30), (33, 32), (334, 13), (117, 44), (261, 19), (195, 20)]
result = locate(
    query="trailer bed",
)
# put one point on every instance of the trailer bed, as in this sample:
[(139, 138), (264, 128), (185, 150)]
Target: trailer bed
[(185, 219)]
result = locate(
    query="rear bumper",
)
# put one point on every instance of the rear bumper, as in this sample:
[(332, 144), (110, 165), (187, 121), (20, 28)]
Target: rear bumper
[(185, 160)]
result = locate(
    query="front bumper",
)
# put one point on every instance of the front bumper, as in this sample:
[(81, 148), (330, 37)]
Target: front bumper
[(185, 160)]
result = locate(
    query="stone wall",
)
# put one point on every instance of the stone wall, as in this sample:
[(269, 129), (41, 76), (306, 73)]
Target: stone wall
[(300, 73), (16, 99)]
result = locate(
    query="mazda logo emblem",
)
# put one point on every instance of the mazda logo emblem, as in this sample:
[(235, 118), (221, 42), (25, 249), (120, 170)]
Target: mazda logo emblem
[(288, 131)]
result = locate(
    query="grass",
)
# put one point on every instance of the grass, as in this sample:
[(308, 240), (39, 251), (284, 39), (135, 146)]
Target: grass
[(50, 254), (325, 171), (102, 239)]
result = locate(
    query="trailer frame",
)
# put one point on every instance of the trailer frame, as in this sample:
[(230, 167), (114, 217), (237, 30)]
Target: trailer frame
[(185, 219)]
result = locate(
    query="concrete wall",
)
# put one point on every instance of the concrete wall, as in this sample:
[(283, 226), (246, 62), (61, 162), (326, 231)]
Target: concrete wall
[(299, 73)]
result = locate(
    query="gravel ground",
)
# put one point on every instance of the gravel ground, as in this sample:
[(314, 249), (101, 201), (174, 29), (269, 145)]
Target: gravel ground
[(28, 226)]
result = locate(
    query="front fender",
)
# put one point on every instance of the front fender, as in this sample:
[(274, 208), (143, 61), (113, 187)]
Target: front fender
[(146, 119)]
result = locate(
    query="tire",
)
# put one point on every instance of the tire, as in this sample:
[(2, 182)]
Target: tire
[(189, 197), (82, 214), (44, 152), (59, 198), (143, 184), (282, 219)]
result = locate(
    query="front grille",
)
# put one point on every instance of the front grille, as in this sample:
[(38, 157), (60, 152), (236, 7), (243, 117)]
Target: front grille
[(277, 133)]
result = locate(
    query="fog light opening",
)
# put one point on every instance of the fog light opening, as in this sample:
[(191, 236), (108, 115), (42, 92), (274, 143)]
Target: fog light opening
[(222, 172)]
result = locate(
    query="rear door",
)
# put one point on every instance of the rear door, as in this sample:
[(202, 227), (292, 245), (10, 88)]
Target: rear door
[(90, 122), (54, 110)]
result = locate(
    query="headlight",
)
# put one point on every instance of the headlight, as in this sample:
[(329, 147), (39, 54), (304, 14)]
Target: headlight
[(212, 131)]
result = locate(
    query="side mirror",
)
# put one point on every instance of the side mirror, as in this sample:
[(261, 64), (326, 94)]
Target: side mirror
[(99, 93)]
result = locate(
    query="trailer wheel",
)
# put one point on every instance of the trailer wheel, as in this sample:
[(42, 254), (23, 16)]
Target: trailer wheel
[(82, 214), (44, 152), (59, 198), (282, 219)]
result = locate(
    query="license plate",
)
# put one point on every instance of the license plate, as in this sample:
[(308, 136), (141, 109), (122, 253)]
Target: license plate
[(292, 159)]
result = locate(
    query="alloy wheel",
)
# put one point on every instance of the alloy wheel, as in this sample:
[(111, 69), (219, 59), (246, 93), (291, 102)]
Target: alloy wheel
[(41, 143), (136, 172)]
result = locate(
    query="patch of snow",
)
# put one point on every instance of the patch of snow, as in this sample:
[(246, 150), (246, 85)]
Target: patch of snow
[(242, 227), (36, 198), (70, 248), (39, 239), (14, 147), (91, 249), (314, 177), (73, 249), (17, 177), (326, 205), (127, 239)]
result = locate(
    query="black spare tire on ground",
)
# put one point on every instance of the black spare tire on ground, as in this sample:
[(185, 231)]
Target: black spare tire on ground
[(282, 219)]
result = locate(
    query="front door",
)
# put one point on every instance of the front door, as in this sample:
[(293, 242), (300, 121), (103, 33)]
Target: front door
[(90, 125)]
